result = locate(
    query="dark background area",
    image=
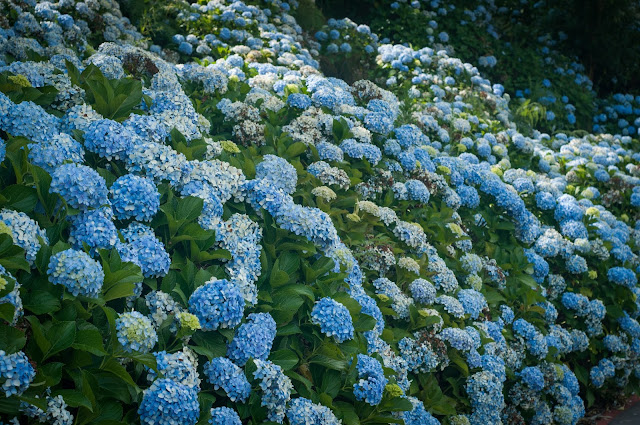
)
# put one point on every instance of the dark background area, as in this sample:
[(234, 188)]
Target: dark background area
[(604, 35)]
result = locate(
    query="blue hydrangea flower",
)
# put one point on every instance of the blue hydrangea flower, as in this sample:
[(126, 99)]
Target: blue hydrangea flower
[(80, 186), (276, 389), (371, 153), (152, 257), (469, 196), (302, 411), (487, 400), (334, 319), (185, 48), (178, 367), (143, 159), (372, 381), (109, 139), (451, 305), (95, 228), (253, 339), (576, 264), (533, 377), (168, 402), (278, 172), (495, 365), (77, 272), (224, 416), (605, 369), (471, 263), (417, 191), (148, 127), (16, 372), (299, 100), (52, 153), (507, 314), (401, 302), (135, 332), (419, 357), (418, 415), (24, 232), (312, 223), (134, 197), (329, 152), (535, 341), (223, 373), (352, 148), (217, 304), (423, 291), (472, 301), (622, 276), (458, 338)]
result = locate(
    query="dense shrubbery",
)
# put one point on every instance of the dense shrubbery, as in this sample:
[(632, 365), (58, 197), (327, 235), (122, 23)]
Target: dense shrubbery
[(545, 53), (205, 229)]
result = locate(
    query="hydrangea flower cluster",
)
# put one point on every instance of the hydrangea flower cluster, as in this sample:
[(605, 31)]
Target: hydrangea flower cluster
[(218, 303), (334, 319), (253, 339), (222, 373), (372, 381), (80, 186), (136, 332), (16, 372), (276, 389), (429, 221), (134, 197), (77, 272), (168, 402)]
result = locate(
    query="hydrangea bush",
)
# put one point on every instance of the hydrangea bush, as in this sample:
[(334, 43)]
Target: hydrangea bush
[(209, 230)]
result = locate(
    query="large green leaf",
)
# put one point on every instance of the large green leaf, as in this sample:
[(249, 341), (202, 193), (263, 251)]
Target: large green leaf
[(88, 338), (11, 339), (286, 359), (61, 335)]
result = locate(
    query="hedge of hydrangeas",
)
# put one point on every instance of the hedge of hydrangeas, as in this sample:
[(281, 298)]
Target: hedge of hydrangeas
[(212, 231)]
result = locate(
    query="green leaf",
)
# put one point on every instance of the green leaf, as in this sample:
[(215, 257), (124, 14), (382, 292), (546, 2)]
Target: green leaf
[(288, 329), (20, 197), (12, 340), (278, 278), (296, 289), (88, 338), (10, 406), (74, 398), (397, 404), (12, 256), (328, 362), (189, 208), (119, 277), (41, 302), (364, 323), (347, 413), (52, 373), (37, 333), (120, 290), (7, 311), (287, 306), (61, 335), (213, 341), (38, 402), (286, 359), (112, 365), (148, 360), (295, 149)]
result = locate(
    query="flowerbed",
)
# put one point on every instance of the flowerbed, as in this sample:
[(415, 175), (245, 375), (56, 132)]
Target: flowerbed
[(212, 231)]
